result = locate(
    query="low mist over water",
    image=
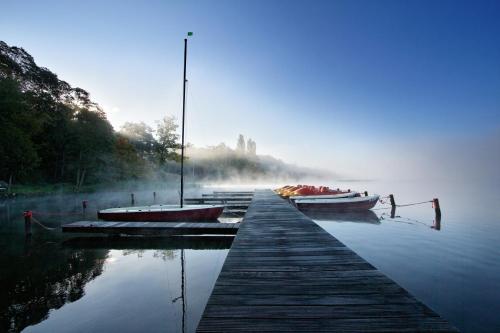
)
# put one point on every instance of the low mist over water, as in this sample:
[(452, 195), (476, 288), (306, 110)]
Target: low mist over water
[(119, 283)]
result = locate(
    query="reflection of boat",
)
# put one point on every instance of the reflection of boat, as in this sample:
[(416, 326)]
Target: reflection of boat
[(326, 196), (162, 213), (166, 213), (338, 205), (363, 216)]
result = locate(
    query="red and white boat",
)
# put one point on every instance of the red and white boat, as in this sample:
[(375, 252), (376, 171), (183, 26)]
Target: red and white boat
[(162, 213), (337, 205)]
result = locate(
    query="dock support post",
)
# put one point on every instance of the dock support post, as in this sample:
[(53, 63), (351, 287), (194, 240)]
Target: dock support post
[(366, 193), (132, 199), (84, 206), (27, 222), (154, 197), (437, 208), (391, 198)]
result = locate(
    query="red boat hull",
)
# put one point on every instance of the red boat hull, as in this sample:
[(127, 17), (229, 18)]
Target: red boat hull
[(187, 215)]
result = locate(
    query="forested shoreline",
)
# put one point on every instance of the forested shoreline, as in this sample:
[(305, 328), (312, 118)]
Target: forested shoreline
[(53, 133)]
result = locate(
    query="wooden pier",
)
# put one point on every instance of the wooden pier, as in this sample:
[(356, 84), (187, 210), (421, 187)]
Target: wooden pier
[(231, 202), (152, 228), (285, 273)]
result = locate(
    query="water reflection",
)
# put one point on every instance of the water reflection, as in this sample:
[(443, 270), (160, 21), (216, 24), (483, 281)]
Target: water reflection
[(57, 282), (133, 242), (34, 284), (367, 216)]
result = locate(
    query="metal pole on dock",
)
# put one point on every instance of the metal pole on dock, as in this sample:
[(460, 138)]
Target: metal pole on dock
[(183, 119)]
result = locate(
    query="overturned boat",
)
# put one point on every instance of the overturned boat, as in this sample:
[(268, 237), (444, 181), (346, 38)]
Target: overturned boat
[(337, 204), (162, 213)]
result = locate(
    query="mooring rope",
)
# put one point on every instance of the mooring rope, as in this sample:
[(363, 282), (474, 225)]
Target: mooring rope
[(384, 202), (55, 214), (41, 224), (415, 203)]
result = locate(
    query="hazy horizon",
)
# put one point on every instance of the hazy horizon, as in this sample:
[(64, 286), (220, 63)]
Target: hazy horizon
[(364, 89)]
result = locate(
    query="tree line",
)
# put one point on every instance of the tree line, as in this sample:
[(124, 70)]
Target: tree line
[(51, 132)]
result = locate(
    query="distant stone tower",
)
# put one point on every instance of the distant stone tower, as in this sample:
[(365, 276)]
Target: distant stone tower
[(240, 146), (251, 147)]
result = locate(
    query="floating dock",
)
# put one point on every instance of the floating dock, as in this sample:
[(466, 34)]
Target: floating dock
[(285, 273), (152, 228), (231, 202)]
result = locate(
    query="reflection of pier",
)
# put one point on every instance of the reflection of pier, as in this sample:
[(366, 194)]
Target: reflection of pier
[(358, 216), (285, 273), (150, 243)]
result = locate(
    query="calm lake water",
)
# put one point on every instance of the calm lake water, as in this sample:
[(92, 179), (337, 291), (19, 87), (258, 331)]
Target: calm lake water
[(68, 283)]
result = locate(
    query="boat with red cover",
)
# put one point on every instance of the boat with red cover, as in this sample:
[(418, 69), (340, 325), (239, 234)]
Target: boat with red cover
[(162, 213), (337, 205)]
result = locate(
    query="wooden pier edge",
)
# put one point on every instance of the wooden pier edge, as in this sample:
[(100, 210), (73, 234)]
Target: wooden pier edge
[(152, 228), (285, 273)]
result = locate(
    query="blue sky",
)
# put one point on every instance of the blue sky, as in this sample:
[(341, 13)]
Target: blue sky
[(334, 84)]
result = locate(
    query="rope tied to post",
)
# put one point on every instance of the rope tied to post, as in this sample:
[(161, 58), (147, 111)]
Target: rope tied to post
[(392, 202), (415, 203), (41, 224), (56, 214)]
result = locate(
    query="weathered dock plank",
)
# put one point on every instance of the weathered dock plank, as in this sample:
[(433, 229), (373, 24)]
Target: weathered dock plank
[(285, 273), (152, 228)]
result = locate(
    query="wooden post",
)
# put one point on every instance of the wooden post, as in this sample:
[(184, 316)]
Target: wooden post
[(132, 199), (27, 222), (391, 198), (437, 223), (84, 206), (393, 212), (349, 191), (366, 193), (154, 197), (437, 208)]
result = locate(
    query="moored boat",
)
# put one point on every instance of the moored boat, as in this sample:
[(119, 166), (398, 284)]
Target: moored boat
[(307, 190), (338, 205), (162, 213), (167, 213), (326, 196)]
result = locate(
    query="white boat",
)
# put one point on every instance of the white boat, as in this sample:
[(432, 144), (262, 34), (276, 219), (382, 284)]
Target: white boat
[(340, 204), (326, 196)]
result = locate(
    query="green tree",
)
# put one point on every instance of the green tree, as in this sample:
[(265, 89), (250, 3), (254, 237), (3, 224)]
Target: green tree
[(129, 165), (141, 137), (168, 140), (93, 145), (17, 151)]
